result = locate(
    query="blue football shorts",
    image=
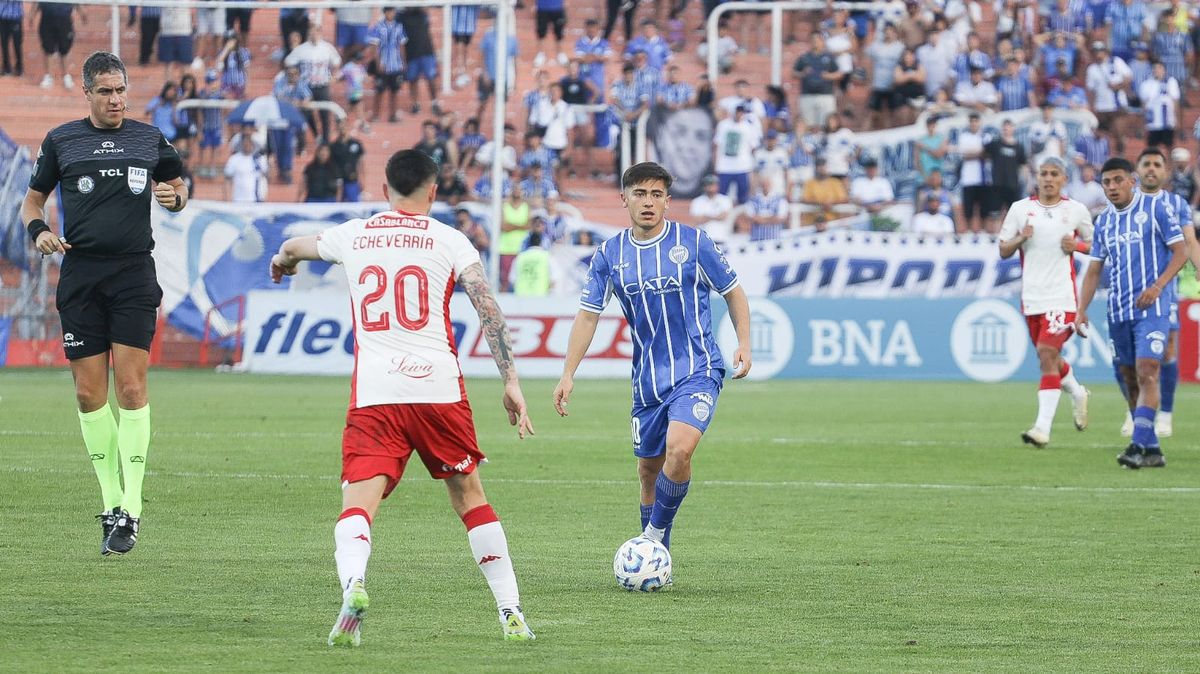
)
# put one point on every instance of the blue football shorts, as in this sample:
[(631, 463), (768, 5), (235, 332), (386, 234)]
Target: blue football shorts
[(1139, 338), (693, 401)]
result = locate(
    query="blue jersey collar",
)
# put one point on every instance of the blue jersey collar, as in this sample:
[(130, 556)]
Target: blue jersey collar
[(650, 242)]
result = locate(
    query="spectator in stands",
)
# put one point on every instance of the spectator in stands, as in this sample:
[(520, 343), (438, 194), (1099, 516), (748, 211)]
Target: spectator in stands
[(557, 218), (934, 187), (56, 32), (931, 220), (593, 52), (291, 88), (775, 107), (973, 57), (768, 212), (232, 63), (976, 93), (1009, 172), (706, 96), (1047, 136), (1067, 17), (318, 61), (422, 58), (1160, 99), (535, 153), (175, 41), (469, 143), (1090, 148), (554, 116), (1143, 69), (351, 30), (727, 49), (937, 56), (538, 186), (531, 268), (148, 27), (1126, 21), (483, 186), (711, 206), (212, 123), (508, 153), (347, 152), (1087, 191), (802, 152), (1067, 96), (675, 94), (1015, 89), (971, 178), (1107, 78), (161, 110), (1172, 46), (909, 80), (12, 15), (322, 178), (647, 78), (474, 232), (488, 75), (626, 9), (771, 164), (354, 76), (912, 27), (532, 98), (872, 192), (1185, 179), (842, 42), (626, 102), (658, 52), (238, 20), (756, 110), (439, 150), (387, 37), (210, 27), (245, 174), (514, 228), (840, 148), (464, 22), (187, 120), (883, 59), (816, 73), (825, 191), (734, 143), (451, 188), (1058, 53), (291, 20)]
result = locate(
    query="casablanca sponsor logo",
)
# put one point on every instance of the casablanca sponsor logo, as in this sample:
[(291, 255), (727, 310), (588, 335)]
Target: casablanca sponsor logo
[(988, 340), (1140, 217), (137, 179), (411, 365), (701, 411), (69, 340), (772, 339), (109, 147), (386, 220), (678, 254), (86, 184)]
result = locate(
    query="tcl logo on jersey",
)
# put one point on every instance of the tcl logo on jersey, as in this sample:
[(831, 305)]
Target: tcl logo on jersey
[(546, 337), (411, 365), (111, 173), (109, 147), (659, 285)]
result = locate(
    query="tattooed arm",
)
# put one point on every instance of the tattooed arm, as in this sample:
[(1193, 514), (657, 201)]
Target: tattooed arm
[(495, 330)]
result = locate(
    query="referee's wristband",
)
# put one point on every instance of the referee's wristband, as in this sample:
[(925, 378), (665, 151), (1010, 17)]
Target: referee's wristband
[(36, 227)]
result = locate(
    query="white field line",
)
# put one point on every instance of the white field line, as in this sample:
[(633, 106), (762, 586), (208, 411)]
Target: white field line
[(780, 484)]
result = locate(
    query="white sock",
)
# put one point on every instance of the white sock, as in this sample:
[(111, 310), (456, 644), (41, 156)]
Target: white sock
[(1071, 385), (654, 533), (352, 538), (1047, 405), (489, 547)]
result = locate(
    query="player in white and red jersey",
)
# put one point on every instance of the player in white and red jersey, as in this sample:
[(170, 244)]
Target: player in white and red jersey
[(407, 390), (1048, 229)]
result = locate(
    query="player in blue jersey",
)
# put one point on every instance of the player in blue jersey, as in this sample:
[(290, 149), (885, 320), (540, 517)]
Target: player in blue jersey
[(662, 272), (1153, 172), (1139, 238)]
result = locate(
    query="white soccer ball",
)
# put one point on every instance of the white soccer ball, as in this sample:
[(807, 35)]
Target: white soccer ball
[(642, 564)]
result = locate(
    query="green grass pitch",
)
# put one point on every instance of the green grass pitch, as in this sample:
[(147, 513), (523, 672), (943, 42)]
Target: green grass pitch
[(831, 526)]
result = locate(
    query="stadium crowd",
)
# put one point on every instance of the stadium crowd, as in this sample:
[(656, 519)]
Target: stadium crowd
[(783, 157)]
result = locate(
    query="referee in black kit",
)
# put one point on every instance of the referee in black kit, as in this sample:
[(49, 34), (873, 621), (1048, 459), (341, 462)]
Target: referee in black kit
[(107, 168)]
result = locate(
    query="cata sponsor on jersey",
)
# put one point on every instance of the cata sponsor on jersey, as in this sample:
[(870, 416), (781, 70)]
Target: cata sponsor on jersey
[(401, 268)]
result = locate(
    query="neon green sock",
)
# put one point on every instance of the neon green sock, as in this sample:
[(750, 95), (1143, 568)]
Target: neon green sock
[(133, 437), (100, 437)]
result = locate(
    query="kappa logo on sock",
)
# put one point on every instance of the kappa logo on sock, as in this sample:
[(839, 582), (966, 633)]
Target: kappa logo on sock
[(488, 558), (97, 457), (137, 459), (363, 537)]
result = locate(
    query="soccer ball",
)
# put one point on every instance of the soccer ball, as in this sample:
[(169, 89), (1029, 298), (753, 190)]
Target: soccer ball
[(642, 564)]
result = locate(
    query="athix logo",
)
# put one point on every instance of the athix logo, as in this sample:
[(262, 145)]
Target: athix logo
[(363, 537), (109, 147), (488, 558), (69, 340)]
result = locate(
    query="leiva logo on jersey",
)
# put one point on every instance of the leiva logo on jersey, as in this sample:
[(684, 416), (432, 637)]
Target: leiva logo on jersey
[(988, 340), (86, 184), (109, 147), (411, 365), (678, 254), (137, 179)]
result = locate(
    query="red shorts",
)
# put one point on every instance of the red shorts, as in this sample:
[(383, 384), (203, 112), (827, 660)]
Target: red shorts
[(1052, 328), (378, 440)]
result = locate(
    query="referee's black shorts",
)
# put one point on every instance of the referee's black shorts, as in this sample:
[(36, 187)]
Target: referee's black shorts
[(106, 301)]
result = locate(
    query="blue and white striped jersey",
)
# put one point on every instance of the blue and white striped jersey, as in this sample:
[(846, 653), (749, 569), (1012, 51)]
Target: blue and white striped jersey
[(388, 37), (663, 286), (1183, 211), (464, 19), (1134, 243)]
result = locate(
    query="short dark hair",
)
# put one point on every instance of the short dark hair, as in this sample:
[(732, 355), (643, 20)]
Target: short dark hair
[(1116, 164), (408, 170), (100, 63), (1152, 150), (534, 239), (644, 173)]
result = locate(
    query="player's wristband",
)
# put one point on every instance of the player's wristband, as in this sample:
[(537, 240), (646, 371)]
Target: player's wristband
[(1083, 247), (36, 227), (178, 203)]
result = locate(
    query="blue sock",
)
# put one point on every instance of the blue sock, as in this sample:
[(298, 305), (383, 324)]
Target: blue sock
[(646, 510), (667, 497), (1120, 381), (1143, 427), (1168, 378)]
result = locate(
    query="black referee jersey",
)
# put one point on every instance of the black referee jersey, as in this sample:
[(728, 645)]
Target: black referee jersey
[(104, 177)]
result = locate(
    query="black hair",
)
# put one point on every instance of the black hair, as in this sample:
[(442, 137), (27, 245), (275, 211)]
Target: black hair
[(101, 63), (1116, 164), (535, 239), (644, 173), (409, 170), (1152, 150)]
